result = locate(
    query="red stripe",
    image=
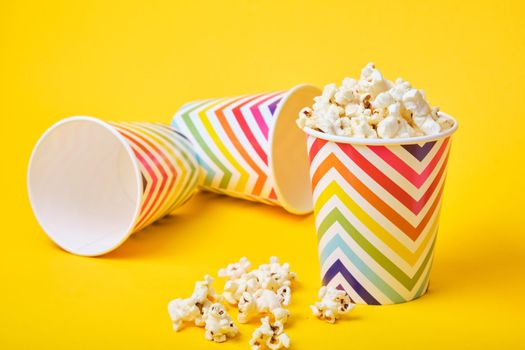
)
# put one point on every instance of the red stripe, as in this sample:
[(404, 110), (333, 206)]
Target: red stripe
[(261, 179), (150, 190), (382, 207), (241, 119), (316, 147), (156, 203), (168, 161), (147, 190), (263, 126), (415, 206), (406, 170)]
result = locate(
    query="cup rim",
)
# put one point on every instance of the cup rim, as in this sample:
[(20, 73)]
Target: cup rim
[(137, 174), (283, 199), (383, 142)]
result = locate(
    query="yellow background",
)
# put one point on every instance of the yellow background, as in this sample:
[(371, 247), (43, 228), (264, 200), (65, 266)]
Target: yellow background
[(140, 60)]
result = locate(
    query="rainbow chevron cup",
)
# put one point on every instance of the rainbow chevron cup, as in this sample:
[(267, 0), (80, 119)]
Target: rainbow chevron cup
[(249, 147), (91, 183), (377, 205)]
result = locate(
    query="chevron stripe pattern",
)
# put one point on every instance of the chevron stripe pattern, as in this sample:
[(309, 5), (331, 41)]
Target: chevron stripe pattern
[(377, 212), (168, 166), (231, 138)]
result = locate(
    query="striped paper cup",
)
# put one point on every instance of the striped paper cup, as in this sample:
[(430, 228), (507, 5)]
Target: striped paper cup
[(91, 183), (377, 205), (249, 146)]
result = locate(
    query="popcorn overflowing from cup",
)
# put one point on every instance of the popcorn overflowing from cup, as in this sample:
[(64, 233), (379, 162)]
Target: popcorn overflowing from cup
[(373, 107), (264, 292)]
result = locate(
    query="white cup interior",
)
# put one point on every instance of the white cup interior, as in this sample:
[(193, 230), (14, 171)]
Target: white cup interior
[(84, 186), (289, 157)]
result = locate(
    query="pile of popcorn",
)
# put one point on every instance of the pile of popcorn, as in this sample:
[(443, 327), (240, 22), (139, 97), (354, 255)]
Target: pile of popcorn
[(264, 292), (373, 107)]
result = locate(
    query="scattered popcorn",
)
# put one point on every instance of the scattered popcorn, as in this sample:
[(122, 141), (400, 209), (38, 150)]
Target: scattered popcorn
[(265, 301), (193, 308), (270, 276), (263, 291), (373, 107), (269, 336), (334, 303), (218, 324)]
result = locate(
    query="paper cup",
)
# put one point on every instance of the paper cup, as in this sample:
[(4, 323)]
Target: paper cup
[(377, 205), (91, 183), (249, 146)]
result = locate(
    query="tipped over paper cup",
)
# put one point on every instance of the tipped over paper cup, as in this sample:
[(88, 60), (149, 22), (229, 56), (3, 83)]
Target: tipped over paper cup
[(249, 146), (93, 183), (377, 205)]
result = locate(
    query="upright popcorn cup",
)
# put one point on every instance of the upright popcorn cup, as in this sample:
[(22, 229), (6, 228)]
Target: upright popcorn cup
[(92, 183), (249, 146), (377, 204)]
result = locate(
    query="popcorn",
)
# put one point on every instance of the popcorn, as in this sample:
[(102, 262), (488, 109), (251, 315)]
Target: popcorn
[(265, 301), (361, 128), (344, 96), (218, 324), (235, 270), (333, 304), (193, 308), (233, 289), (276, 272), (371, 81), (270, 276), (262, 291), (388, 127), (329, 92), (444, 121), (383, 100), (400, 88), (427, 125), (183, 310), (414, 101), (204, 292), (269, 336), (373, 107), (343, 127)]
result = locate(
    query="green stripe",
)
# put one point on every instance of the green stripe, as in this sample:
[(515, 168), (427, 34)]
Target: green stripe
[(338, 242), (183, 149), (210, 174), (336, 216), (202, 143), (423, 288)]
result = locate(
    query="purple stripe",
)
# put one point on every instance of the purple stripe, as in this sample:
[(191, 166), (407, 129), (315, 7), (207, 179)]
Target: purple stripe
[(420, 152), (259, 119), (272, 106), (338, 267)]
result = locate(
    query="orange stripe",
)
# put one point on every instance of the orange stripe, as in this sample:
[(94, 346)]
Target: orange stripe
[(164, 190), (259, 184), (413, 232)]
